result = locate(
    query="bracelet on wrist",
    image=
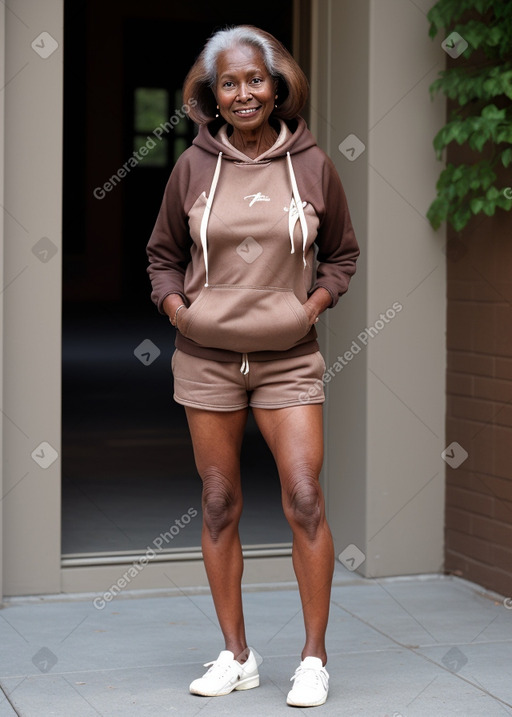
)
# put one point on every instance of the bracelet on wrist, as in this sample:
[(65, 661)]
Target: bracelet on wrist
[(173, 321)]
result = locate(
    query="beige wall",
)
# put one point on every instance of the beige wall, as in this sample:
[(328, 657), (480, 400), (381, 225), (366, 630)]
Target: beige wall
[(2, 96), (385, 417), (32, 298), (345, 415)]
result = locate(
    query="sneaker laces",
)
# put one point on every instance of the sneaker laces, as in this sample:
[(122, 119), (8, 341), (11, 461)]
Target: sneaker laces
[(310, 677), (219, 667)]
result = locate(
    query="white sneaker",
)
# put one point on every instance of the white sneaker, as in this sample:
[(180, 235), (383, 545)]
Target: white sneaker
[(225, 675), (310, 684)]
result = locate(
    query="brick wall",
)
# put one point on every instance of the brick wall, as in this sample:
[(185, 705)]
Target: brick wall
[(479, 401)]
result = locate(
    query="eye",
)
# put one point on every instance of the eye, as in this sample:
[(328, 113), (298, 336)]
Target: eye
[(257, 80), (228, 84)]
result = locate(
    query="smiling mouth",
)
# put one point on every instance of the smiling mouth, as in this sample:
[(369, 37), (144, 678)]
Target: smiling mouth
[(247, 111)]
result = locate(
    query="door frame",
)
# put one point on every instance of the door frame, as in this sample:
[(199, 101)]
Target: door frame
[(30, 241)]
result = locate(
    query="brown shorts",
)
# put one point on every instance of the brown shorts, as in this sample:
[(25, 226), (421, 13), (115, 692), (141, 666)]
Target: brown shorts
[(221, 386)]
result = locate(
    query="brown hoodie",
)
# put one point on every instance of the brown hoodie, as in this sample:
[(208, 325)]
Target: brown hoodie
[(236, 238)]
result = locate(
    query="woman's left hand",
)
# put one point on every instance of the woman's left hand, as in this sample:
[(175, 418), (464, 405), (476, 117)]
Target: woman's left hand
[(318, 302), (311, 312)]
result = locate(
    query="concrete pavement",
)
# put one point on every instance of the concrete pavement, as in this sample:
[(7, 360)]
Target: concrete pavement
[(404, 647)]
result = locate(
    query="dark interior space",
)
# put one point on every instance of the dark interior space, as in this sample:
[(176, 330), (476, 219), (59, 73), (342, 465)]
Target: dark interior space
[(128, 470)]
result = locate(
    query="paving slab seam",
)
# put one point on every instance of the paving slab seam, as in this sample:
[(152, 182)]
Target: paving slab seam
[(497, 641), (473, 683), (7, 699), (338, 582), (102, 670), (336, 653), (203, 590), (454, 580), (425, 658), (283, 656)]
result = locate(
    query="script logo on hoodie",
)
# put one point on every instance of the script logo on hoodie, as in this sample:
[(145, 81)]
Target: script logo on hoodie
[(259, 197)]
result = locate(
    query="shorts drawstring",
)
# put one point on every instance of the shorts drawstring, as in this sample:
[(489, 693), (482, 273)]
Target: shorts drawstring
[(244, 368)]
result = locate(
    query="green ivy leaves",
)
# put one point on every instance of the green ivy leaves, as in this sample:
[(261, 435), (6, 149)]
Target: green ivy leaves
[(443, 14), (492, 34), (493, 125), (466, 84), (464, 190), (483, 120)]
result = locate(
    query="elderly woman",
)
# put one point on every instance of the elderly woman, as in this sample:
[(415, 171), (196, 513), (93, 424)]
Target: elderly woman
[(252, 243)]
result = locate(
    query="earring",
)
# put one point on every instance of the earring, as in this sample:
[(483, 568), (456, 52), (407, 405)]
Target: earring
[(275, 103), (217, 112)]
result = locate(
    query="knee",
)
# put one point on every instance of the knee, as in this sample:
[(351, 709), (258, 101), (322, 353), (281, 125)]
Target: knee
[(304, 505), (221, 502)]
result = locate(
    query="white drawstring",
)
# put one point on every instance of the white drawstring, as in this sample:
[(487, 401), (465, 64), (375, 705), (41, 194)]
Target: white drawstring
[(300, 209), (291, 214), (292, 218), (206, 216), (244, 368)]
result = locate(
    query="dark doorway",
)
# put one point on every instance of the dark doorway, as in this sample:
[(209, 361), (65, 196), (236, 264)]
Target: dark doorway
[(127, 462)]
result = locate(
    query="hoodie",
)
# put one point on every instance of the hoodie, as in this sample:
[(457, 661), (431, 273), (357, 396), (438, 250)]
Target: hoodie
[(246, 241)]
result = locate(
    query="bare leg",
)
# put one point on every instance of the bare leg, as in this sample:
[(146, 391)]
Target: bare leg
[(217, 440), (294, 435)]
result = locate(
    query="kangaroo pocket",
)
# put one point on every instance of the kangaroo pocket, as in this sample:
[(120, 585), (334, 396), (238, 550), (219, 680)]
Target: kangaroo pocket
[(245, 318)]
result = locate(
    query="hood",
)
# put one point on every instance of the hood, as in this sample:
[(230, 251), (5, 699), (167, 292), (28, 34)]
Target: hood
[(299, 140)]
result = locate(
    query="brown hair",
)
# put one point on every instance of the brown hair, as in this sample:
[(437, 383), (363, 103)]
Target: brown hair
[(292, 85)]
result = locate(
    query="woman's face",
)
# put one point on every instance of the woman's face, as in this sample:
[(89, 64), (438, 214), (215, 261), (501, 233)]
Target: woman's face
[(244, 89)]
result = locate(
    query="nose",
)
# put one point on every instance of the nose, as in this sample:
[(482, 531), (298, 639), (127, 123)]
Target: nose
[(244, 94)]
